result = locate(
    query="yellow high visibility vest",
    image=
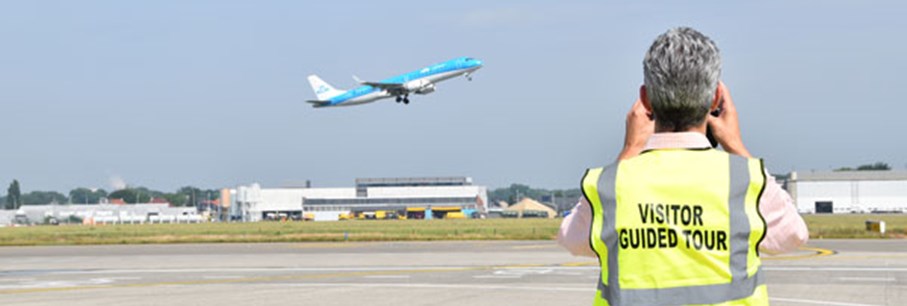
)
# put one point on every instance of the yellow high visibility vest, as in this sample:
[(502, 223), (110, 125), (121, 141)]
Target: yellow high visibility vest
[(678, 227)]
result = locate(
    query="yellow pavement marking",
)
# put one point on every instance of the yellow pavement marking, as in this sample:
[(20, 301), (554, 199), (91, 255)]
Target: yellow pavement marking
[(580, 264), (818, 252)]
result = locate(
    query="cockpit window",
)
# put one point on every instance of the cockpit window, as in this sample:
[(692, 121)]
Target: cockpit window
[(469, 59)]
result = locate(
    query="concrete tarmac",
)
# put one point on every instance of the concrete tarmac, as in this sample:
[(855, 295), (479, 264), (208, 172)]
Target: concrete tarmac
[(828, 272)]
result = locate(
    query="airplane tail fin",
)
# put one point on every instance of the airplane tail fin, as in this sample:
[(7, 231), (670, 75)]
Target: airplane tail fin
[(323, 90)]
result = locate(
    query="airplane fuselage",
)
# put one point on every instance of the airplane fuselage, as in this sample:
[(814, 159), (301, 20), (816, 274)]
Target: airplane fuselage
[(421, 81)]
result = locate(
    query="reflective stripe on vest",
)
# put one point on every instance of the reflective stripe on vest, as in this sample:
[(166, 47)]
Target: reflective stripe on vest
[(727, 270)]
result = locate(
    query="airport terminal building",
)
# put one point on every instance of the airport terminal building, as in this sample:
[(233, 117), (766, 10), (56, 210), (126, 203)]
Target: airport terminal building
[(379, 198), (849, 191)]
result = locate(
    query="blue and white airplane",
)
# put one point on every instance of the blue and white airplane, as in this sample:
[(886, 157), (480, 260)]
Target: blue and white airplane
[(421, 82)]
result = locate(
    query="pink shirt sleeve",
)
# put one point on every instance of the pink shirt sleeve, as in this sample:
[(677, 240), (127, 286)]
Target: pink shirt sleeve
[(574, 232), (785, 228)]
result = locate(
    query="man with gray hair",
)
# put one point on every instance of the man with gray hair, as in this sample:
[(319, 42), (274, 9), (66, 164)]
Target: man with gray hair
[(674, 221)]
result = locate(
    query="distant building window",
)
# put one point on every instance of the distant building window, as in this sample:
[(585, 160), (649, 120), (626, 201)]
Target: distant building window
[(361, 191), (391, 201), (824, 207)]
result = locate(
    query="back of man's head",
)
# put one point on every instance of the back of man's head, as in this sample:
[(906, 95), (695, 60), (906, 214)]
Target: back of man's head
[(681, 68)]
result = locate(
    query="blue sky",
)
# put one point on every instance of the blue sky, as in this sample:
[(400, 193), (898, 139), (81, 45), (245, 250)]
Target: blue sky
[(211, 93)]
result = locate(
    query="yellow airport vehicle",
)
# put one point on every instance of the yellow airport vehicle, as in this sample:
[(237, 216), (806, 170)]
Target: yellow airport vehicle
[(455, 215), (446, 208)]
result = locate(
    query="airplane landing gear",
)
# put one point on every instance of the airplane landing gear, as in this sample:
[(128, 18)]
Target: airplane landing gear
[(406, 99), (468, 77), (399, 99)]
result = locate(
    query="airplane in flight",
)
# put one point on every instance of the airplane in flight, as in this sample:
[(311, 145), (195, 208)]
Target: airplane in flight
[(421, 82)]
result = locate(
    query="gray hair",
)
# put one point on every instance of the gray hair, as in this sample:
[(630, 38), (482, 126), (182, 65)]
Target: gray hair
[(681, 70)]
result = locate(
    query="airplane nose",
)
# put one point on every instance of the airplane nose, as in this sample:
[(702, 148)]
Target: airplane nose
[(479, 63)]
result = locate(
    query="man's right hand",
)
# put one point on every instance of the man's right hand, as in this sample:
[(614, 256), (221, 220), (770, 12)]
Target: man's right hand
[(726, 126), (640, 127)]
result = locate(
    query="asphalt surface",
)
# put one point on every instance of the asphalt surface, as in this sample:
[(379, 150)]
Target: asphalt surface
[(828, 272)]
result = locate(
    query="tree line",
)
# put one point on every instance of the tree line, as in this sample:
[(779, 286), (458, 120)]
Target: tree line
[(185, 196), (878, 166)]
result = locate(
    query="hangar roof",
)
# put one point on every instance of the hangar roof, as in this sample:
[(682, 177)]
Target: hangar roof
[(414, 181), (890, 175)]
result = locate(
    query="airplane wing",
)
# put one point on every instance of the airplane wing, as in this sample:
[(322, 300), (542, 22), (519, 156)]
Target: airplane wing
[(396, 89), (319, 103), (385, 86), (392, 88)]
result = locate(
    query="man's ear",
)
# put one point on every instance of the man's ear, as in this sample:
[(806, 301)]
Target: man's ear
[(644, 97), (716, 102)]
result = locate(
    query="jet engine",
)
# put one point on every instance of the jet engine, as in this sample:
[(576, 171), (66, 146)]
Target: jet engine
[(427, 89), (422, 86)]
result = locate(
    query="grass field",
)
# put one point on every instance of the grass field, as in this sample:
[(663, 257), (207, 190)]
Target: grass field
[(354, 230), (820, 226), (853, 225)]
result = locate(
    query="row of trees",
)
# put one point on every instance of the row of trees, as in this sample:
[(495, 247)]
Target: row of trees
[(185, 196), (13, 197), (879, 166)]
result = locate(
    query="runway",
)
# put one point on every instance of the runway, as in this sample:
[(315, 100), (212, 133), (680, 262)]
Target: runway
[(828, 272)]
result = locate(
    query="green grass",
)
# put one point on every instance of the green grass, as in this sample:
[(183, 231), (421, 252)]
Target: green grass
[(820, 226), (853, 225), (353, 230)]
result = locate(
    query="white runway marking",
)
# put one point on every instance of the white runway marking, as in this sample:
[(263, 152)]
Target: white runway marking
[(386, 276), (67, 283), (835, 269), (584, 288), (516, 272), (222, 277), (253, 270), (326, 269), (511, 270), (16, 279), (868, 279), (814, 302), (497, 276)]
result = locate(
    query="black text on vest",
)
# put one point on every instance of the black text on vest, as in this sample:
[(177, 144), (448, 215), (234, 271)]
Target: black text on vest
[(682, 220)]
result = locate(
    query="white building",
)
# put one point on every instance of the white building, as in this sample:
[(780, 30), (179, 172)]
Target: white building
[(101, 214), (849, 191), (417, 198)]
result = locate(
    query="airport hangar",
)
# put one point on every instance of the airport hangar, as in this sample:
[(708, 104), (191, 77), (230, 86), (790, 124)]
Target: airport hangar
[(411, 198), (849, 191)]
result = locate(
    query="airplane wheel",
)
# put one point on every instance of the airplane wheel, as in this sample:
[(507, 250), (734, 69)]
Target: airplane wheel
[(399, 99), (405, 101)]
